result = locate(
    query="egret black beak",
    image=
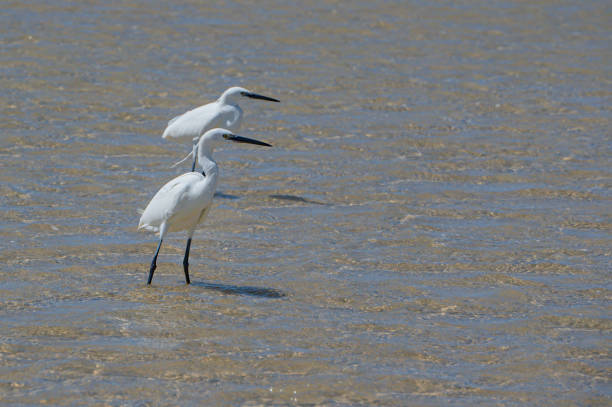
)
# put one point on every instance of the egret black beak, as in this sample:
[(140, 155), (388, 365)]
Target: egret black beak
[(261, 97), (240, 139)]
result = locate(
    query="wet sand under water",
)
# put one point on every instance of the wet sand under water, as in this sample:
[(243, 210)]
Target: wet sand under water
[(432, 226)]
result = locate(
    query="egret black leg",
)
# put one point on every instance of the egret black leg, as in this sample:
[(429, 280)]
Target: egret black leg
[(154, 262), (195, 156), (186, 261)]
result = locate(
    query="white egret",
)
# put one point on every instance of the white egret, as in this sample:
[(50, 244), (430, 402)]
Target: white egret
[(224, 112), (183, 202)]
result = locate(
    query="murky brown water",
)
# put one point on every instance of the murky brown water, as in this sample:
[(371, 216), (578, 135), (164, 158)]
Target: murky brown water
[(432, 227)]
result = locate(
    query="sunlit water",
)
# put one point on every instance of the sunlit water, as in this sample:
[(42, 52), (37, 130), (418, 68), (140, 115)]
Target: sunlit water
[(432, 226)]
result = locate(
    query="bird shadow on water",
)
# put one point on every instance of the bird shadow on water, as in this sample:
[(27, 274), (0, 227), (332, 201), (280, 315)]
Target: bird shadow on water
[(295, 198), (241, 290), (225, 196)]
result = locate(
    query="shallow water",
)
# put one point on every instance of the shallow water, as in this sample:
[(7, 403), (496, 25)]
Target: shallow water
[(432, 226)]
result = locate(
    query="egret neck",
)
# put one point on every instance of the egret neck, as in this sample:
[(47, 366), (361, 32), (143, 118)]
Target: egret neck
[(209, 166)]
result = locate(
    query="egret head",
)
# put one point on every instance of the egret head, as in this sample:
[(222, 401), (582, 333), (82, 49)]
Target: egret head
[(233, 95)]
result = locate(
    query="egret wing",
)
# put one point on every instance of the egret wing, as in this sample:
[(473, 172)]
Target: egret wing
[(167, 201), (175, 118), (194, 123)]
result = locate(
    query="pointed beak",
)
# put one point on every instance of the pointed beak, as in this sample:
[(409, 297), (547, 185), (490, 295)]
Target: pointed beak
[(261, 97), (240, 139)]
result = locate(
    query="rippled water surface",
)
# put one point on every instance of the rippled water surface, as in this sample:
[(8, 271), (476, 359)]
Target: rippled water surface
[(432, 226)]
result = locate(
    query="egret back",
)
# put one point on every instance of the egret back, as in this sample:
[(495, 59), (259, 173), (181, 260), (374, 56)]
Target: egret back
[(184, 128)]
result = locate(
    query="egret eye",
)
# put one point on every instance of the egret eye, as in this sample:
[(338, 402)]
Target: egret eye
[(227, 136), (243, 93)]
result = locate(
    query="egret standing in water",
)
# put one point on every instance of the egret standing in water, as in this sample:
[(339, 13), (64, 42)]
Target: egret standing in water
[(224, 112), (184, 202)]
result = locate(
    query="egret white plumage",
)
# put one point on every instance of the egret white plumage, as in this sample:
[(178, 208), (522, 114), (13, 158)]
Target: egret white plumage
[(224, 112), (184, 202)]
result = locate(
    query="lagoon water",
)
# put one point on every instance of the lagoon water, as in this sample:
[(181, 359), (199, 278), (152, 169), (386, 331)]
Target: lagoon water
[(432, 227)]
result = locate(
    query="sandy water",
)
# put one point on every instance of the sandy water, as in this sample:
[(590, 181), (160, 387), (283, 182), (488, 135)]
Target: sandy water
[(432, 226)]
